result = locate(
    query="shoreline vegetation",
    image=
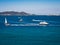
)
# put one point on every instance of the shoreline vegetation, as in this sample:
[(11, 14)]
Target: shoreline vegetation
[(14, 13)]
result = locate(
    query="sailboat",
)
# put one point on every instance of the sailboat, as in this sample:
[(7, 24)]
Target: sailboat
[(21, 20), (6, 23)]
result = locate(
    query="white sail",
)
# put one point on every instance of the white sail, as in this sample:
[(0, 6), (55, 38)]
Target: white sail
[(5, 21)]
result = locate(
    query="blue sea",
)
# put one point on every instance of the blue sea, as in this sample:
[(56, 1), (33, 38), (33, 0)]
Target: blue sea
[(30, 35)]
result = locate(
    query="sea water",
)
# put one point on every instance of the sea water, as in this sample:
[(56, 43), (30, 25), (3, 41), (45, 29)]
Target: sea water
[(30, 35)]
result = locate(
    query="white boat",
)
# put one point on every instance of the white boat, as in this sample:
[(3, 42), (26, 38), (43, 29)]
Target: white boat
[(43, 23), (6, 23)]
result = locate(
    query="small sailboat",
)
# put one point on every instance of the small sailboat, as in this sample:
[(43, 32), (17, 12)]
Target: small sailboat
[(21, 20), (6, 23), (43, 23)]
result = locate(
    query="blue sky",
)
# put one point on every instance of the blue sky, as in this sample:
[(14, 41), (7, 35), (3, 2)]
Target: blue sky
[(31, 6)]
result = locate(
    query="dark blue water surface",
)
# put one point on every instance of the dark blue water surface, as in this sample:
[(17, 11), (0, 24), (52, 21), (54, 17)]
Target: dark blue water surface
[(30, 35)]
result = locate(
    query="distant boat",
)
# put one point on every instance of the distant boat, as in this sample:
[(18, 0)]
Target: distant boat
[(44, 23), (6, 23), (19, 17), (21, 20), (36, 20)]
